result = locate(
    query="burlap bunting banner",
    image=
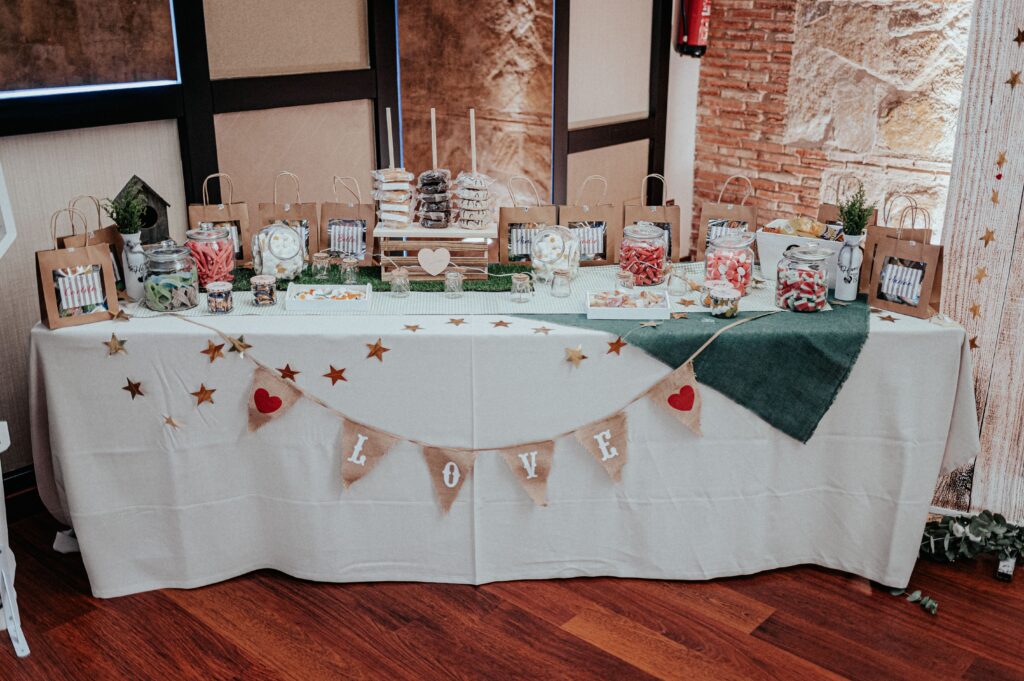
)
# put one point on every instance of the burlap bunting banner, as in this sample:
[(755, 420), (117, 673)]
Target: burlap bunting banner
[(678, 393), (361, 449), (269, 397), (449, 469), (607, 441), (531, 465)]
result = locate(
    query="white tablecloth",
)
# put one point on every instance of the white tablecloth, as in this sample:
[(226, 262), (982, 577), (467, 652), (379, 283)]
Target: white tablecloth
[(157, 507)]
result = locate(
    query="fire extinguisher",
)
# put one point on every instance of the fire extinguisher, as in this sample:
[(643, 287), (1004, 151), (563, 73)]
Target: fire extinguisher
[(694, 20)]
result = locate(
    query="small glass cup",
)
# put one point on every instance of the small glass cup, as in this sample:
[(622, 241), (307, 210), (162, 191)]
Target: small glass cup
[(349, 274), (453, 284), (624, 280), (400, 283), (218, 297), (522, 289), (561, 284), (321, 263), (677, 284)]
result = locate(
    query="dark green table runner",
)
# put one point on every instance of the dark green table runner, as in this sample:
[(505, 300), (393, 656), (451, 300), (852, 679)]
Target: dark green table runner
[(787, 368)]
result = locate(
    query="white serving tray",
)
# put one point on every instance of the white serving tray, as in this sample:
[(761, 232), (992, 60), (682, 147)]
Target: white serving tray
[(662, 311), (291, 302)]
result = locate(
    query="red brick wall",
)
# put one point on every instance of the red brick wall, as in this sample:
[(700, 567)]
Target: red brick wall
[(741, 112)]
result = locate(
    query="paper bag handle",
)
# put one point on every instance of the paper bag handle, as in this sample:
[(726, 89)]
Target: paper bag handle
[(99, 216), (358, 193), (887, 210), (841, 184), (231, 188), (747, 195), (643, 188), (71, 212), (295, 179), (536, 194), (583, 185), (913, 211)]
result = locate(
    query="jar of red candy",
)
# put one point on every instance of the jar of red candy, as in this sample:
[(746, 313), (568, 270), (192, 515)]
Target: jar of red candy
[(731, 259), (801, 283), (214, 253), (644, 253)]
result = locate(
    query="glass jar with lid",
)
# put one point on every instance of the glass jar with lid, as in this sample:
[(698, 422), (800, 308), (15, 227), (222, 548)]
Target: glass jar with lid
[(172, 279), (277, 250), (554, 248), (644, 253), (214, 253), (801, 282), (730, 258)]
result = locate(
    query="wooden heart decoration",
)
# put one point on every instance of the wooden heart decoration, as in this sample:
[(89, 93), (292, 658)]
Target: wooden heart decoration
[(434, 261), (265, 402), (682, 400)]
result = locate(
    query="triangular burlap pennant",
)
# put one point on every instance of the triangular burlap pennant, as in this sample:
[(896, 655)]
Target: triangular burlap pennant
[(607, 441), (269, 397), (361, 449), (449, 469), (679, 394), (531, 465)]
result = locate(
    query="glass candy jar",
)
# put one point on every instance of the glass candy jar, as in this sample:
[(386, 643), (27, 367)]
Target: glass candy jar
[(554, 248), (214, 253), (400, 283), (277, 250), (522, 290), (730, 258), (644, 253), (172, 281), (801, 282)]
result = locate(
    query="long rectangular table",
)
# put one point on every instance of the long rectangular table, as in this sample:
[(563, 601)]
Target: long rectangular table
[(157, 506)]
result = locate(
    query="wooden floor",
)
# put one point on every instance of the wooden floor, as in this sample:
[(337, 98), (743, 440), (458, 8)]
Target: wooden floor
[(800, 623)]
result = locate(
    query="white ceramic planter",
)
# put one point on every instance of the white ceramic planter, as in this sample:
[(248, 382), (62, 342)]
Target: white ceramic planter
[(134, 263), (848, 268)]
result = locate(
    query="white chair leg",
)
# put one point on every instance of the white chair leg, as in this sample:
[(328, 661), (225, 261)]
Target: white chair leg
[(9, 603)]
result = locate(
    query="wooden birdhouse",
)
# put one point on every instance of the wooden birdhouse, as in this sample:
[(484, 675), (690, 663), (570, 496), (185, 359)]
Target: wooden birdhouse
[(154, 218)]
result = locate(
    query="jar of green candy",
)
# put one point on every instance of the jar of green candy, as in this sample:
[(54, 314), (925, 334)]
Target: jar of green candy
[(172, 281)]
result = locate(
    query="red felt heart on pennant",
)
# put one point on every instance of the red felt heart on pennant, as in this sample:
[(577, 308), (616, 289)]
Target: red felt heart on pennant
[(267, 403), (682, 400)]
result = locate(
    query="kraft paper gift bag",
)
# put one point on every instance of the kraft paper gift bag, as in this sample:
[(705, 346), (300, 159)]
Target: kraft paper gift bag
[(234, 216), (668, 218), (519, 223), (346, 229), (76, 285), (717, 217), (598, 226), (301, 217), (100, 235), (877, 233), (906, 276)]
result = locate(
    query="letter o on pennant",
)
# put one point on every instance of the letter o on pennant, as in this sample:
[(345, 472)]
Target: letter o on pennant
[(451, 474)]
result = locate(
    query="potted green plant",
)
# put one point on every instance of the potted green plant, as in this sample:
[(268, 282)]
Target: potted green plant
[(126, 210), (854, 212)]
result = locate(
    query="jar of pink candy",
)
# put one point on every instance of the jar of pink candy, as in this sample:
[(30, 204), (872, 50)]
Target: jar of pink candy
[(730, 258), (214, 253), (801, 283), (644, 254)]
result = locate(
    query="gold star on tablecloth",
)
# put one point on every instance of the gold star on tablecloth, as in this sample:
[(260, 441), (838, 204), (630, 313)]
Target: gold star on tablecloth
[(1001, 160), (975, 310), (888, 318), (1014, 79), (288, 374), (980, 275), (973, 342), (413, 327), (457, 322), (168, 421), (377, 350), (501, 323), (685, 302), (649, 325), (204, 394), (335, 375), (135, 388), (542, 329), (575, 355), (238, 345), (1020, 37), (213, 351), (616, 346), (121, 316), (680, 315), (695, 285), (988, 237), (115, 345), (876, 310), (995, 196)]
